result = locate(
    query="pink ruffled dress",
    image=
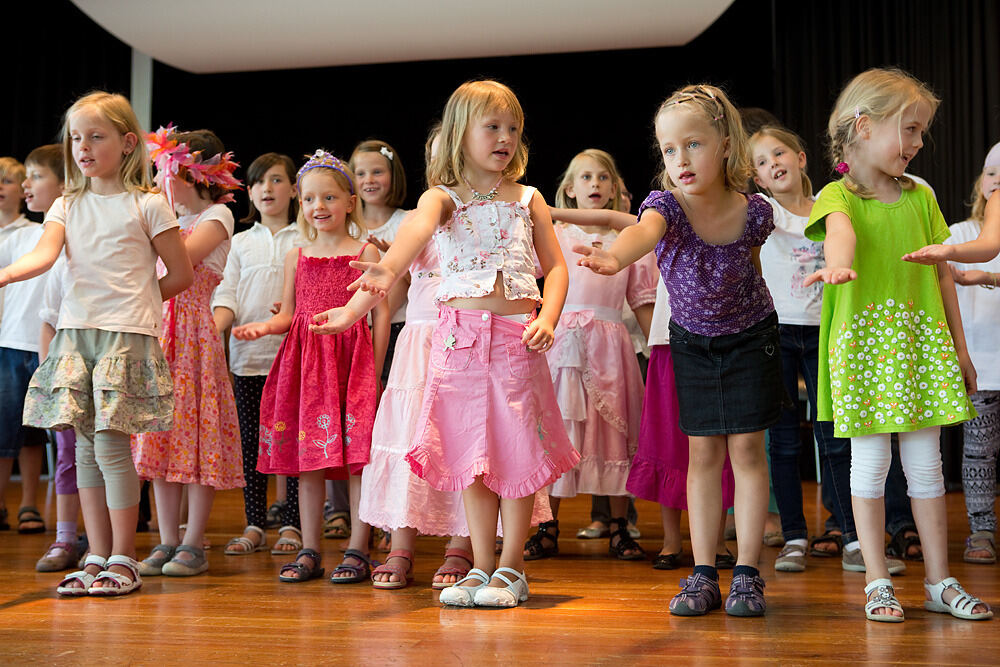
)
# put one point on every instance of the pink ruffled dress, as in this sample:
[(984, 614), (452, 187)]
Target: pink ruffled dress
[(594, 369), (391, 495), (204, 445), (318, 405)]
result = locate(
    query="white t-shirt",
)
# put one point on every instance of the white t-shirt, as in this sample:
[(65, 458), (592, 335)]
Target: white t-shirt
[(215, 261), (251, 284), (112, 262), (20, 325), (786, 258), (56, 282), (387, 232), (659, 334), (7, 230), (980, 310)]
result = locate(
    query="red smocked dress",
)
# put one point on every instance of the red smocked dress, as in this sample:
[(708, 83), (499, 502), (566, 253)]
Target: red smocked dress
[(318, 405)]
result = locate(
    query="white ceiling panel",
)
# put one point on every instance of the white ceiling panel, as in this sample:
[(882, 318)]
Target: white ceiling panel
[(204, 36)]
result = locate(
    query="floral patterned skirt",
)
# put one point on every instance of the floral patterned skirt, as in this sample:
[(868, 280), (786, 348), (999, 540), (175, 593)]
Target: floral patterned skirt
[(97, 380)]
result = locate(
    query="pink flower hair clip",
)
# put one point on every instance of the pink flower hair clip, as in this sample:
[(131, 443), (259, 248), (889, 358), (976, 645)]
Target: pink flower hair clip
[(842, 168), (170, 157)]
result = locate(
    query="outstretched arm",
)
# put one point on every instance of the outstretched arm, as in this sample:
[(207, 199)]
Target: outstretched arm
[(982, 249), (602, 216), (40, 259), (634, 242), (379, 277), (839, 251)]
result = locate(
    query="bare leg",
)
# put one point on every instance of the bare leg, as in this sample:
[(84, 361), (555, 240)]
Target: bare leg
[(67, 507), (671, 519), (704, 492), (515, 513), (281, 487), (869, 521), (168, 511), (746, 451), (359, 529), (931, 517), (94, 504), (482, 508), (403, 539), (200, 499), (30, 463), (312, 494)]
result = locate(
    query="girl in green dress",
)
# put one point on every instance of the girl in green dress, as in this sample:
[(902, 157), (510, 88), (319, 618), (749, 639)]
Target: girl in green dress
[(893, 357)]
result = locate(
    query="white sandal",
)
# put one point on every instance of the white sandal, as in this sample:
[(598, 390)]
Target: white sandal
[(885, 598), (514, 593), (124, 585), (961, 605), (464, 596), (248, 545), (84, 577), (294, 542)]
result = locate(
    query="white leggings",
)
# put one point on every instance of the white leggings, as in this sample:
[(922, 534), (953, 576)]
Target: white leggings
[(919, 452)]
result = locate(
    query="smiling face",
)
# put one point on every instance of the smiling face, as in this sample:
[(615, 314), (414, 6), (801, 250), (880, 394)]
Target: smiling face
[(891, 144), (693, 150), (373, 176), (98, 148), (592, 186), (41, 187), (325, 203), (273, 192), (490, 141), (777, 167)]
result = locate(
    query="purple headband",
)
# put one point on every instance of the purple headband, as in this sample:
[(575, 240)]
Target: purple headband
[(323, 159)]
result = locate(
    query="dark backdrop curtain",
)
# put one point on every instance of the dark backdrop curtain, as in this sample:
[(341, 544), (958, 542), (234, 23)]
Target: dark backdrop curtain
[(952, 46)]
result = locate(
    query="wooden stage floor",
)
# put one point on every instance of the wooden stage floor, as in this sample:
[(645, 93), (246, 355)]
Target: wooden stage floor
[(585, 609)]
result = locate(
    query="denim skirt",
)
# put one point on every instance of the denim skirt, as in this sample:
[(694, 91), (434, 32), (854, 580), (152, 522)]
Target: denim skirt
[(728, 384)]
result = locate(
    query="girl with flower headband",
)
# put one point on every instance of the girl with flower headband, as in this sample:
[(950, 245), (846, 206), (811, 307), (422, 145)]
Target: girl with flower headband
[(318, 404), (893, 357), (202, 451), (105, 373), (489, 425), (723, 328), (250, 286)]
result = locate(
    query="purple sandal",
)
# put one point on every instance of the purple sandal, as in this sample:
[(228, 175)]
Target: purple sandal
[(359, 573), (699, 595), (746, 596)]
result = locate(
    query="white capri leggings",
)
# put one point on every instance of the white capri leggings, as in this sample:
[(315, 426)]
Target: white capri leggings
[(919, 452)]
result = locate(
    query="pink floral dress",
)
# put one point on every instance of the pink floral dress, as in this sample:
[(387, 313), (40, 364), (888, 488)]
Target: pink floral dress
[(204, 445), (318, 406)]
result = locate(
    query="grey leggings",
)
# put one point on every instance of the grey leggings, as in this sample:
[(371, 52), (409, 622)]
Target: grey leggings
[(979, 461), (105, 459)]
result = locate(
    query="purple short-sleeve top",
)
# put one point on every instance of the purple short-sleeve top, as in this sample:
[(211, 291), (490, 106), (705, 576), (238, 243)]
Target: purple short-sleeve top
[(714, 289)]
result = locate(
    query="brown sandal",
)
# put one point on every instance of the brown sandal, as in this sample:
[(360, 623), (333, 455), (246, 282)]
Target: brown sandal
[(459, 572)]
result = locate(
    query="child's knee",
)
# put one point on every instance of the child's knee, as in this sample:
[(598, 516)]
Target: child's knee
[(869, 468)]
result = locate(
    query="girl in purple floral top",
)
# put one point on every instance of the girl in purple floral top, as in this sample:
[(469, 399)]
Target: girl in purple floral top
[(707, 237)]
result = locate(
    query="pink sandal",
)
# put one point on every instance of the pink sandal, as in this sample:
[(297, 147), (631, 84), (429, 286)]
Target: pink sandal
[(405, 576), (459, 572)]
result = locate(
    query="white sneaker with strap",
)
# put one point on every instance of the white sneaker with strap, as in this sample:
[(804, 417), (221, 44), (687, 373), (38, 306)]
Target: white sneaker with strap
[(515, 592)]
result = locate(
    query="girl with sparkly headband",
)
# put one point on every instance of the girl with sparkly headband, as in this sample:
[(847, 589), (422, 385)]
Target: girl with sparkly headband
[(723, 328), (892, 356), (489, 425), (202, 451), (250, 285), (318, 404), (105, 373)]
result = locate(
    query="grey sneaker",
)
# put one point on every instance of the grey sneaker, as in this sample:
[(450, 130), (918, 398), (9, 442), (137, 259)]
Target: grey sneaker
[(853, 561), (792, 558)]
